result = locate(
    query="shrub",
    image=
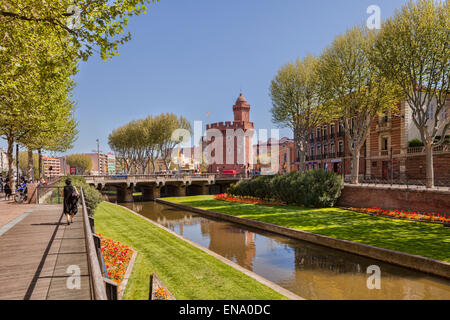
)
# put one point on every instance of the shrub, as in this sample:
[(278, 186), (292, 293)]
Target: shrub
[(315, 188), (321, 188), (415, 143), (92, 197)]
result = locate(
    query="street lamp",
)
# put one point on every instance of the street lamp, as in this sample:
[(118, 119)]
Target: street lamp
[(98, 156)]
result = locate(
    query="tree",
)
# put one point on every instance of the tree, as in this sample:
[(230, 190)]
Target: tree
[(413, 49), (35, 68), (91, 24), (297, 103), (168, 123), (354, 89), (143, 141), (82, 162), (24, 164)]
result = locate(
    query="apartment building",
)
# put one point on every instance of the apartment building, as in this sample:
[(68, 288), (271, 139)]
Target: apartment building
[(386, 154)]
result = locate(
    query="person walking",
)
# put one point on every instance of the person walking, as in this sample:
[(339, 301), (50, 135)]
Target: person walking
[(7, 189), (71, 197)]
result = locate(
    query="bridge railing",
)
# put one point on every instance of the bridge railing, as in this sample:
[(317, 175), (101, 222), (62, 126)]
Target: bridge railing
[(102, 288)]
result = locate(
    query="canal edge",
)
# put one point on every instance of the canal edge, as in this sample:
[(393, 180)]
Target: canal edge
[(410, 261), (288, 294)]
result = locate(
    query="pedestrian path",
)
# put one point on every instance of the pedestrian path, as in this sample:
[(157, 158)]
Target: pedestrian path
[(41, 257)]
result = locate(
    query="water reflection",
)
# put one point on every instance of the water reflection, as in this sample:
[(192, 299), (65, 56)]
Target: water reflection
[(311, 271)]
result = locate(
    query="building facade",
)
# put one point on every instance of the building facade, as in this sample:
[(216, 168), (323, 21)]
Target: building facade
[(228, 145), (99, 163), (111, 163), (52, 166), (386, 154), (3, 161), (288, 155)]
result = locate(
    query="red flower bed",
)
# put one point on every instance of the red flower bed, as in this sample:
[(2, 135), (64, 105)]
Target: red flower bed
[(413, 215), (226, 197), (116, 257)]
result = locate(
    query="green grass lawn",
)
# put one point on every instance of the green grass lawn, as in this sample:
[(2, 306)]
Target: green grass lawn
[(187, 271), (423, 239)]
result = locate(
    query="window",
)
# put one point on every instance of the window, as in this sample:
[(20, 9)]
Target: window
[(324, 129), (374, 164), (285, 157), (332, 129), (332, 148), (384, 143), (341, 147), (318, 133)]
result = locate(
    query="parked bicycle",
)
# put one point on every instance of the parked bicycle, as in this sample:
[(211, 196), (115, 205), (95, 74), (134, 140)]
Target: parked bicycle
[(21, 194)]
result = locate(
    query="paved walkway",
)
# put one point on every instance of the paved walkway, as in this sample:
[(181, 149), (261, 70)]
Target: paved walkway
[(39, 253)]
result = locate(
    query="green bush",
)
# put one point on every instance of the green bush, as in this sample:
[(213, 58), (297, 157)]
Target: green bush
[(415, 143), (315, 188), (92, 197)]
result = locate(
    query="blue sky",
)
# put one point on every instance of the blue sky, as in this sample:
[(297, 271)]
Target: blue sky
[(193, 57)]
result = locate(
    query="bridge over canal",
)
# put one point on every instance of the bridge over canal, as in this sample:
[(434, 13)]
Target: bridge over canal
[(153, 186)]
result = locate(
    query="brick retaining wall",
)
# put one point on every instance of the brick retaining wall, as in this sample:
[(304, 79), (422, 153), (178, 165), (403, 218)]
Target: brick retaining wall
[(395, 198)]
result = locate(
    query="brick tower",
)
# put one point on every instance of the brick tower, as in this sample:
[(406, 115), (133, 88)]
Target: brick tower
[(236, 147)]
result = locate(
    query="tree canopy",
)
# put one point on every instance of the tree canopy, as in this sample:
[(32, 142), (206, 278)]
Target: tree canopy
[(141, 142), (92, 25), (413, 49)]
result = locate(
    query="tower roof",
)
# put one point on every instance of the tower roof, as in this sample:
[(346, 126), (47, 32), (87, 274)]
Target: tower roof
[(241, 99)]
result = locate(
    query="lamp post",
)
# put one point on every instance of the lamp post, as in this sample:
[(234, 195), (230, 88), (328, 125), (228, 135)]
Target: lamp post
[(98, 156)]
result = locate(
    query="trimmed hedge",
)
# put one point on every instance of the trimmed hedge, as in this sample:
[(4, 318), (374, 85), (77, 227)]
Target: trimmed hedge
[(314, 188)]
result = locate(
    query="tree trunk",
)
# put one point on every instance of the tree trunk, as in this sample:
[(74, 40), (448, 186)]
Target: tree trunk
[(9, 154), (301, 161), (355, 166), (30, 175), (41, 175), (429, 165)]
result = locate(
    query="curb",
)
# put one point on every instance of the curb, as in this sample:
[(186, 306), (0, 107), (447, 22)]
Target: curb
[(249, 273), (123, 284), (415, 262)]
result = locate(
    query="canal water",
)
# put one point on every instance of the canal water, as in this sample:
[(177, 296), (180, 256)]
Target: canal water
[(311, 271)]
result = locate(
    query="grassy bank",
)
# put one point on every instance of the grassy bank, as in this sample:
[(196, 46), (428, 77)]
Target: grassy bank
[(188, 272), (423, 239)]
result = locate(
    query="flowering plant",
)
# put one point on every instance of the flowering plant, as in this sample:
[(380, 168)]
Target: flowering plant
[(226, 197), (116, 256), (413, 215), (161, 293)]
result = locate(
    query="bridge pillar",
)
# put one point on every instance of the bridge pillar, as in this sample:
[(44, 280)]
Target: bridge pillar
[(151, 193), (180, 191), (124, 194), (205, 189)]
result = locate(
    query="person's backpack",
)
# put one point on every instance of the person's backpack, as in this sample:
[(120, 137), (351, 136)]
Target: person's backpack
[(75, 193)]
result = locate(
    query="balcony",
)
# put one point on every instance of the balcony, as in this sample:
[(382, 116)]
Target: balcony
[(324, 137), (311, 140), (340, 133), (331, 155), (318, 139), (383, 126), (441, 148), (384, 153), (340, 154), (331, 135)]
